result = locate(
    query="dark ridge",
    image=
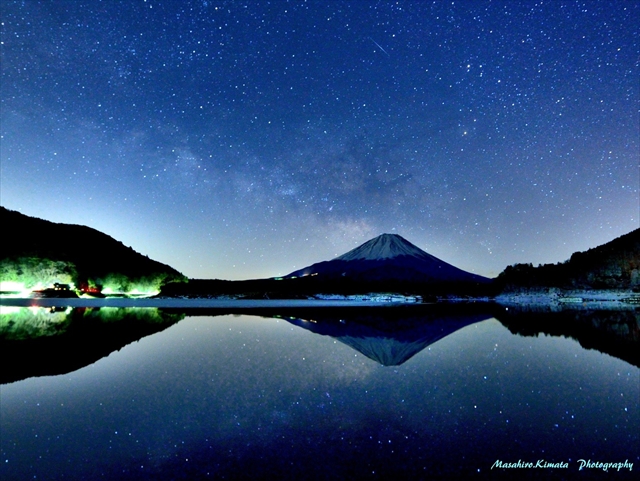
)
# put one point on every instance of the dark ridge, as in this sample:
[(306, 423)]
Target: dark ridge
[(93, 253), (614, 265)]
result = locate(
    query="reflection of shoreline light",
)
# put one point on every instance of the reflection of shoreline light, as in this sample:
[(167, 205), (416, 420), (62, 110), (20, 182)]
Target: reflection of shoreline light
[(9, 309)]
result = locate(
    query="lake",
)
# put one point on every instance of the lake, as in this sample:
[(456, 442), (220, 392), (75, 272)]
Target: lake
[(346, 393)]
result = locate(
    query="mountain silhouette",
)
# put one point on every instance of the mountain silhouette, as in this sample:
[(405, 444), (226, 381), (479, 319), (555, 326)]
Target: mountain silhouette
[(614, 265), (85, 254), (388, 257)]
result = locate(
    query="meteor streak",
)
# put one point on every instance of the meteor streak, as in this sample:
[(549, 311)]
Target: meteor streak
[(380, 47)]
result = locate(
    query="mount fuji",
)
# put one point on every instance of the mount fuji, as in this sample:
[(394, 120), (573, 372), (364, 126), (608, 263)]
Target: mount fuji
[(388, 257)]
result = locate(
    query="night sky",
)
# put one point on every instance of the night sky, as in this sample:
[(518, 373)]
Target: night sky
[(235, 139)]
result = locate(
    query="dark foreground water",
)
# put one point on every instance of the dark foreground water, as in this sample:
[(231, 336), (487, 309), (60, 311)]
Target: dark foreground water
[(246, 397)]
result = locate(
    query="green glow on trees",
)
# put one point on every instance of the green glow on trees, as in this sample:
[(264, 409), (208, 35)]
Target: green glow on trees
[(135, 292), (19, 277), (34, 273), (115, 284)]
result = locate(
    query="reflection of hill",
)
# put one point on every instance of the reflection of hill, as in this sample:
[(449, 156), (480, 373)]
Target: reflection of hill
[(44, 342), (50, 341), (390, 336), (613, 332)]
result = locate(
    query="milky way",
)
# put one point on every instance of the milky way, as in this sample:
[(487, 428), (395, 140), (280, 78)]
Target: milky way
[(238, 139)]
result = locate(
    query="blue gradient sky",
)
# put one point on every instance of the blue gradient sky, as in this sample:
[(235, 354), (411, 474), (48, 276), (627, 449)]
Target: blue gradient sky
[(238, 139)]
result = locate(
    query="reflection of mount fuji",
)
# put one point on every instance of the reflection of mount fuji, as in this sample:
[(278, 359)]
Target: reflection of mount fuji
[(50, 341), (389, 336)]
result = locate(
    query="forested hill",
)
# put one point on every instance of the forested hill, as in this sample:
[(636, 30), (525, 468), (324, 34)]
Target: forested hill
[(36, 250), (614, 265)]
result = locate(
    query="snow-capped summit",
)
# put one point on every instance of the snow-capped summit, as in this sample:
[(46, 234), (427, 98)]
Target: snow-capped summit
[(388, 257), (385, 246)]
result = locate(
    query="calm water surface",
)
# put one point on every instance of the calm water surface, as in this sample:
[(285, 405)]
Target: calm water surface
[(244, 397)]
